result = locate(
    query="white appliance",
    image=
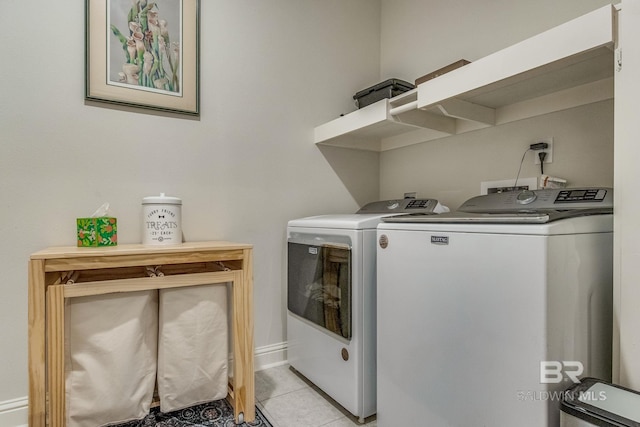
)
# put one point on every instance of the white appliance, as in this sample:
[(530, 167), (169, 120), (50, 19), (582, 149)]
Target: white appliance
[(331, 300), (486, 314)]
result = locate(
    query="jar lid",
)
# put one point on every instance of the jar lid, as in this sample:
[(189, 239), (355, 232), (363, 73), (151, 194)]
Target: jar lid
[(161, 199)]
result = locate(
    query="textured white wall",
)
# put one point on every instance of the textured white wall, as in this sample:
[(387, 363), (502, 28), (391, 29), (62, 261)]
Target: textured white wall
[(451, 169), (420, 36), (270, 72)]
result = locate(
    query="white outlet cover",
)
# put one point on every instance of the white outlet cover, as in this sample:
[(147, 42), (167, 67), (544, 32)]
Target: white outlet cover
[(549, 151)]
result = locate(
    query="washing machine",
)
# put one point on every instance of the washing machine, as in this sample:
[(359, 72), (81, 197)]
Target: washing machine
[(331, 300), (486, 314)]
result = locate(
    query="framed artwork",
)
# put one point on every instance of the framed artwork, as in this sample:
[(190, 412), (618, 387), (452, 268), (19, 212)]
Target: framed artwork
[(143, 53)]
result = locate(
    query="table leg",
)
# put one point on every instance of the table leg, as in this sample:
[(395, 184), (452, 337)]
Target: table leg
[(55, 355), (36, 358), (243, 366)]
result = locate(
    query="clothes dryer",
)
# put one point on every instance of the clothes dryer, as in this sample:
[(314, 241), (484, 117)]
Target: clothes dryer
[(331, 300), (487, 314)]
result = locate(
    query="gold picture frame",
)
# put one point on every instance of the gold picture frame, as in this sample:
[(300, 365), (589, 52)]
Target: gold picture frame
[(143, 53)]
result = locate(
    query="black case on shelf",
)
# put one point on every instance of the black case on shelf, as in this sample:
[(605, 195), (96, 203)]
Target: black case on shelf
[(386, 89)]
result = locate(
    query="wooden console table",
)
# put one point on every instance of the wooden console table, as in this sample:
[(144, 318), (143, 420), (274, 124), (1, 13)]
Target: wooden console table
[(68, 272)]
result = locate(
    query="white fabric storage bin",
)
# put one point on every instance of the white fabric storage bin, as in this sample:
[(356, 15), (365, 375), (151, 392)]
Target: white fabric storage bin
[(192, 346), (111, 357)]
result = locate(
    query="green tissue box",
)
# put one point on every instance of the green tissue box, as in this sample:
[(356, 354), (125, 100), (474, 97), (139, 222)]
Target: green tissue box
[(101, 231)]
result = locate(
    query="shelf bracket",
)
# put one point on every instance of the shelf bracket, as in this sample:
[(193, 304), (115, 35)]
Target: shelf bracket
[(618, 54), (424, 119), (465, 110), (403, 108)]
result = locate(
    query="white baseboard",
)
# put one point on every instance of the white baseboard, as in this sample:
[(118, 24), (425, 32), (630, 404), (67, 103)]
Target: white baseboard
[(269, 356), (15, 412)]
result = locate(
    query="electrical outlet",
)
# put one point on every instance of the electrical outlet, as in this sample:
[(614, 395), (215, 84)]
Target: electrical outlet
[(549, 151)]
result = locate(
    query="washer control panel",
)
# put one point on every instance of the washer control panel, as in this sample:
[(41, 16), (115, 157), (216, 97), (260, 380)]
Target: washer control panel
[(402, 206), (541, 200), (581, 195)]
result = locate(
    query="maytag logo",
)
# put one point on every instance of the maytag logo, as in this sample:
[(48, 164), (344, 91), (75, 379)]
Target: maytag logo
[(440, 240)]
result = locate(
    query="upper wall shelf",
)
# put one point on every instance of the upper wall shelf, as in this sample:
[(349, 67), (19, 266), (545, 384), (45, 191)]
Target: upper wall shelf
[(564, 67)]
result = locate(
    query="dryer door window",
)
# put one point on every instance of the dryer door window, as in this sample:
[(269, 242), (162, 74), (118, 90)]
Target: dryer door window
[(319, 285)]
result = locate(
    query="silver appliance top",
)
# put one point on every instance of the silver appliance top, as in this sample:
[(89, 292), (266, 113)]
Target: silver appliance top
[(370, 215), (523, 207), (422, 206)]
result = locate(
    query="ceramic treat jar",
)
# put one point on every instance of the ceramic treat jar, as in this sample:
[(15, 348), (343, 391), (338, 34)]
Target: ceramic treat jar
[(161, 220)]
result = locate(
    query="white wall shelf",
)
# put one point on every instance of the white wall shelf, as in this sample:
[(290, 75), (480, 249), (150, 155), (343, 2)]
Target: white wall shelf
[(564, 67)]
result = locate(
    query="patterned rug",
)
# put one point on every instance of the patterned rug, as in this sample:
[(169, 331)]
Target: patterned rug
[(212, 414)]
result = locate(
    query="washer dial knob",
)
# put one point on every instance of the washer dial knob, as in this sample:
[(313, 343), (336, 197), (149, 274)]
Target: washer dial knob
[(526, 197)]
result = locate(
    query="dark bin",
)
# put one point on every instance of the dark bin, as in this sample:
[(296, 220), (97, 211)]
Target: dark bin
[(598, 403), (386, 89)]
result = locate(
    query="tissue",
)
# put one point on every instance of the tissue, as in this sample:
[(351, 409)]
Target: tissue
[(100, 229)]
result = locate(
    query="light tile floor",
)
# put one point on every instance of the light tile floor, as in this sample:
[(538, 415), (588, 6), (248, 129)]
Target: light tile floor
[(289, 400)]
